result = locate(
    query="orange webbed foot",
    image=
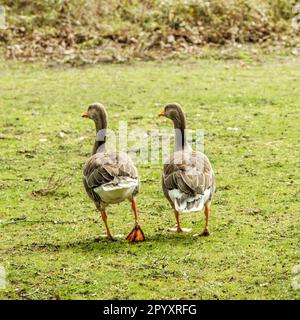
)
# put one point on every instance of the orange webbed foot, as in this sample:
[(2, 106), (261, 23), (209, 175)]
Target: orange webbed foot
[(136, 234)]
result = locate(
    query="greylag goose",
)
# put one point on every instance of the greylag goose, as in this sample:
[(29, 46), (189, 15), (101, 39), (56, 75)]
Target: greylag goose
[(188, 180), (110, 177)]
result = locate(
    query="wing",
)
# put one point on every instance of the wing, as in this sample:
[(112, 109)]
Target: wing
[(188, 181), (102, 168), (189, 172)]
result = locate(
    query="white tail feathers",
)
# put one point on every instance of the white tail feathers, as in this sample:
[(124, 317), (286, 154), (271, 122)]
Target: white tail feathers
[(117, 190), (185, 203)]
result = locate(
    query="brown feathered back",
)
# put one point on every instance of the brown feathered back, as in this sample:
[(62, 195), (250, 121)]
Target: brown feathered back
[(188, 171)]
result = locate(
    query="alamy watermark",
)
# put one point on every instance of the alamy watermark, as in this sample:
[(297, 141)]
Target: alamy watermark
[(2, 18), (2, 278), (150, 146)]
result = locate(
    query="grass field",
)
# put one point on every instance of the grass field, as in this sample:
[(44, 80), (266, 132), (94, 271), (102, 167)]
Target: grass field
[(51, 245)]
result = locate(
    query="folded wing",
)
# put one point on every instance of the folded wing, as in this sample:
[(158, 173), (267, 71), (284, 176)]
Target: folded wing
[(110, 177), (188, 180)]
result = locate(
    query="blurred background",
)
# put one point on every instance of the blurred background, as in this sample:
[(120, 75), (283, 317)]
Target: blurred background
[(84, 32)]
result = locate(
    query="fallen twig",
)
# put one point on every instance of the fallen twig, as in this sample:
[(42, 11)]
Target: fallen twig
[(51, 187), (42, 221)]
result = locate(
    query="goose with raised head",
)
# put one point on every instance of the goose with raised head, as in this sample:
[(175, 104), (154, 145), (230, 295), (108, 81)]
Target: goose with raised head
[(110, 177), (188, 179)]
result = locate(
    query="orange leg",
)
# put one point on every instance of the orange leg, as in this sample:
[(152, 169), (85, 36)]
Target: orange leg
[(178, 227), (104, 218), (136, 233), (134, 209), (205, 232)]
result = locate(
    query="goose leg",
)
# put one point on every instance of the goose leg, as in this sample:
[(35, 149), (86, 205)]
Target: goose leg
[(104, 218), (178, 227), (134, 209), (136, 233), (205, 232)]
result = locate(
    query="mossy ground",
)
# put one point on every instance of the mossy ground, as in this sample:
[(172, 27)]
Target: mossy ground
[(255, 225)]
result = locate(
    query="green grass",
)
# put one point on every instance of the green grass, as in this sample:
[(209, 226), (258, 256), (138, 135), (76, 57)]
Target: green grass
[(255, 225)]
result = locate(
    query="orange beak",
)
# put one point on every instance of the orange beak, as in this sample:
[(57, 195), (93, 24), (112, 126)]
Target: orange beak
[(162, 114), (85, 115)]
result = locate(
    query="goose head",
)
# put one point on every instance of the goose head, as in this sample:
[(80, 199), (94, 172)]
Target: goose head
[(174, 112), (97, 113)]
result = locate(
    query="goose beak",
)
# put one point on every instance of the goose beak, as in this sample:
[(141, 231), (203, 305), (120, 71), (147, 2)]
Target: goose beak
[(85, 115), (162, 114)]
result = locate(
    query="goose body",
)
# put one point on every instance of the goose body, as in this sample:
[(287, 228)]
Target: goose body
[(110, 177), (188, 180)]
